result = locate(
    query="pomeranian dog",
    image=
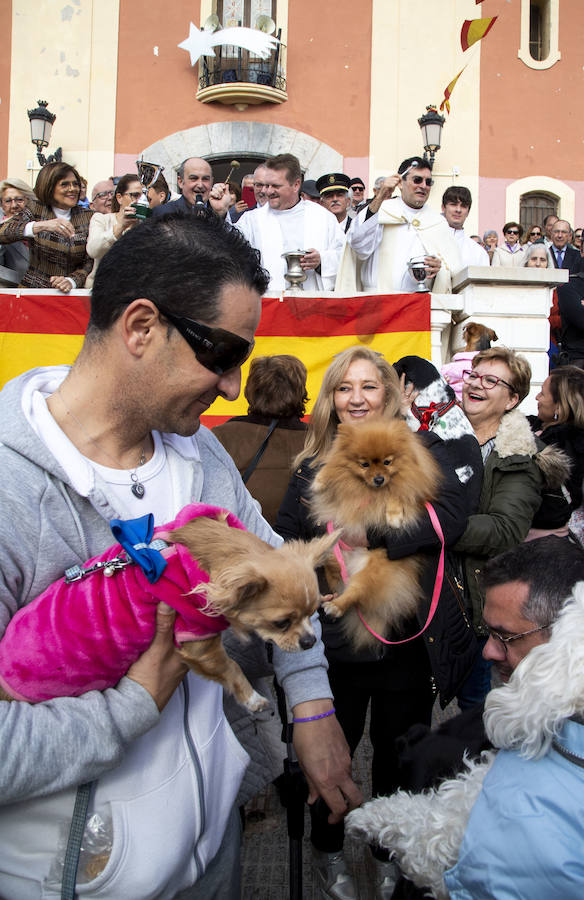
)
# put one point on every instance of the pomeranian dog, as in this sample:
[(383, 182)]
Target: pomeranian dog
[(85, 631), (376, 475)]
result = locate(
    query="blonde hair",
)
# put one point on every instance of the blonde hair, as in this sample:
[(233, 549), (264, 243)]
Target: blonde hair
[(567, 389), (517, 365), (324, 419)]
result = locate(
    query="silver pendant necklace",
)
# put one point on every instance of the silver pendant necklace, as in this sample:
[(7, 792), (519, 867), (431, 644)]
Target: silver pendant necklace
[(136, 487)]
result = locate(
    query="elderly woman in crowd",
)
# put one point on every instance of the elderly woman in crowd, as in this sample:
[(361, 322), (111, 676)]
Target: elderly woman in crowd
[(537, 256), (511, 494), (490, 242), (106, 228), (264, 443), (560, 422), (511, 252), (399, 681), (56, 229), (14, 196)]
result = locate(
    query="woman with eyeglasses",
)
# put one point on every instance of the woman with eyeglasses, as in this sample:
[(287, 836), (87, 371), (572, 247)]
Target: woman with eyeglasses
[(511, 252), (14, 196), (514, 463), (106, 228), (56, 229), (533, 235)]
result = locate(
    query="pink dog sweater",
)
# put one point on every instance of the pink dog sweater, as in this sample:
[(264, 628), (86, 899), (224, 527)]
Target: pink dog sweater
[(85, 635)]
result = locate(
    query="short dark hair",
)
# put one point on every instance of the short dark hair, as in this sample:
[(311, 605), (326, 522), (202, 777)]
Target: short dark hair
[(48, 179), (276, 386), (288, 162), (160, 185), (420, 164), (457, 194), (509, 225), (549, 566), (178, 261), (548, 217), (121, 188)]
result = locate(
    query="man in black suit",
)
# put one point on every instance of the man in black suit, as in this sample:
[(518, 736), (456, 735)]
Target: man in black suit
[(564, 256), (195, 182)]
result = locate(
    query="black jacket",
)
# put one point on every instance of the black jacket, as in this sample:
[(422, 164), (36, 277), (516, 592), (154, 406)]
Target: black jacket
[(449, 639), (556, 508), (571, 307)]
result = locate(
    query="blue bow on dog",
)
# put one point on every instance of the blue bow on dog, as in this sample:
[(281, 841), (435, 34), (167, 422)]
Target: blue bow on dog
[(135, 536)]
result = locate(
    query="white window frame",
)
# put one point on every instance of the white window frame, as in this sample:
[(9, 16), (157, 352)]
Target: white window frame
[(554, 52)]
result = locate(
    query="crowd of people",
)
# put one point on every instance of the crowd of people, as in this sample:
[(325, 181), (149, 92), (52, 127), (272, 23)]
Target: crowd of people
[(175, 304), (54, 238)]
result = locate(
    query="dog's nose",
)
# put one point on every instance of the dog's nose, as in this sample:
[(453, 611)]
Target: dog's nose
[(378, 480), (307, 641)]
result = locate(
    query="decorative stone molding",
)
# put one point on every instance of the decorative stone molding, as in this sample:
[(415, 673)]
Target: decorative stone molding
[(242, 139), (553, 29), (553, 186), (241, 94)]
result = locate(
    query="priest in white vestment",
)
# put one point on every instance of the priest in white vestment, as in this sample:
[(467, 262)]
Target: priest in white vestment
[(456, 204), (287, 223), (390, 231)]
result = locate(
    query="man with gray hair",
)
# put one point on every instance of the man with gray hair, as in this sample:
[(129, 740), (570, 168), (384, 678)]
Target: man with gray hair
[(102, 196), (195, 182)]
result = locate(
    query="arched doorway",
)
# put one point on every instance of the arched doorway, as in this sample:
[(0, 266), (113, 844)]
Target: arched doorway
[(535, 206)]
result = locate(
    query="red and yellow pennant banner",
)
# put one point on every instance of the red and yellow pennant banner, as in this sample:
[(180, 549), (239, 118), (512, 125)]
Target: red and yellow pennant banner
[(45, 329), (474, 30), (448, 92)]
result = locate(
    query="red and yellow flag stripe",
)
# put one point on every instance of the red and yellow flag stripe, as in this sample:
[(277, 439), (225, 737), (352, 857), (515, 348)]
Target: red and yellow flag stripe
[(44, 329)]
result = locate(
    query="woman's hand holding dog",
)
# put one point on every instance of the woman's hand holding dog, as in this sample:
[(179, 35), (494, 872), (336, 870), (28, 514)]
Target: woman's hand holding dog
[(160, 669), (324, 756)]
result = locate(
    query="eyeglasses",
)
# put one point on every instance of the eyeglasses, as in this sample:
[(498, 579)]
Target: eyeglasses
[(20, 201), (133, 194), (418, 179), (102, 194), (357, 187), (536, 233), (505, 641), (488, 382), (512, 231), (66, 185), (216, 349)]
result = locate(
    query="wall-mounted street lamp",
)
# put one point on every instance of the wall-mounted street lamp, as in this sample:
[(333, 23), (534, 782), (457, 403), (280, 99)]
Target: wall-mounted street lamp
[(431, 127), (41, 125)]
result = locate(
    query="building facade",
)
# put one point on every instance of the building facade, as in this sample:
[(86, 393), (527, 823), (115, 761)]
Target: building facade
[(343, 91)]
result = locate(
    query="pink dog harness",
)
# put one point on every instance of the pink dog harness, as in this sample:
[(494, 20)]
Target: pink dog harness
[(83, 633)]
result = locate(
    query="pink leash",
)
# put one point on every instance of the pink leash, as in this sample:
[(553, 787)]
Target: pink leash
[(437, 583)]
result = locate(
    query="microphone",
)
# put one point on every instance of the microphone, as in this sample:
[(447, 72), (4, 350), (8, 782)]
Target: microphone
[(199, 200)]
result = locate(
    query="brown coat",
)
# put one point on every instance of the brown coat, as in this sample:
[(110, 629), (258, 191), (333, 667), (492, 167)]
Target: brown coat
[(51, 253), (242, 437)]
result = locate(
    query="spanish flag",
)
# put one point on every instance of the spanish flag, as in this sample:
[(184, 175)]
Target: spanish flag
[(43, 329), (448, 92), (474, 30)]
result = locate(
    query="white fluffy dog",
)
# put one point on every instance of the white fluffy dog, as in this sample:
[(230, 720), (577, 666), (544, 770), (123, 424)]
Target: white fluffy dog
[(424, 831)]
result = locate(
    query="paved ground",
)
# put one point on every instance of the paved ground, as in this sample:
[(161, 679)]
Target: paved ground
[(265, 845)]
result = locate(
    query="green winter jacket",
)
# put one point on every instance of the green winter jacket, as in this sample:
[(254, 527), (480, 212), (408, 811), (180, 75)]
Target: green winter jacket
[(515, 473)]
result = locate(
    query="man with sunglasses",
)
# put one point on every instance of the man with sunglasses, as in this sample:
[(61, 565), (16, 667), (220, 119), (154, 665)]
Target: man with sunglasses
[(392, 230), (174, 309)]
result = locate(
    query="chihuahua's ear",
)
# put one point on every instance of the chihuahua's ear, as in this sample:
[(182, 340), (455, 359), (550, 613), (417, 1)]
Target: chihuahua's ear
[(250, 589), (318, 549)]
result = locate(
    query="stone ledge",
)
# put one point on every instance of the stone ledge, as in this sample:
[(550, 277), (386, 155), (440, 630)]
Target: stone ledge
[(501, 275)]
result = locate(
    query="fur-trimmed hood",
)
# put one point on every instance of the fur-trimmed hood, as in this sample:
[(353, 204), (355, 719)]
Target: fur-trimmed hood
[(546, 688), (515, 438)]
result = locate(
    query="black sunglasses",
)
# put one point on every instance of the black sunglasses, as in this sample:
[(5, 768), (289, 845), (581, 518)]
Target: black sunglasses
[(216, 349), (418, 179)]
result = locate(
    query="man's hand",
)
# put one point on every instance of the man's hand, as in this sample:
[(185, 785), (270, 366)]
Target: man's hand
[(385, 192), (311, 259), (433, 265), (324, 756), (220, 199), (160, 669)]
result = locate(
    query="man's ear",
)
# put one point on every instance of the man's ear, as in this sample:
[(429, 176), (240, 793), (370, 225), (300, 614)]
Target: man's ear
[(137, 324)]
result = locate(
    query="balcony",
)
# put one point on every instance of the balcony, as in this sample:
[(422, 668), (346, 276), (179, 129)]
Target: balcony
[(241, 79)]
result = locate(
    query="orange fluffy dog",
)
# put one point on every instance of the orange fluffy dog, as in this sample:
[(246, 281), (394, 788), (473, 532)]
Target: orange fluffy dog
[(376, 475)]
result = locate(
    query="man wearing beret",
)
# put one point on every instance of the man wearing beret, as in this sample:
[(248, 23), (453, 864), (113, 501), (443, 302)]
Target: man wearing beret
[(334, 196)]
